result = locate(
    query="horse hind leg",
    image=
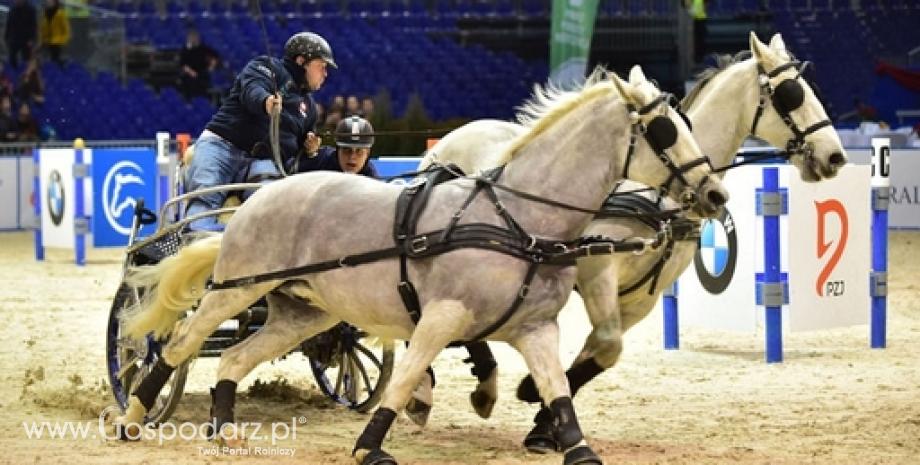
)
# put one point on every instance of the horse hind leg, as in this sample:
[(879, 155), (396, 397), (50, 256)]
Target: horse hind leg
[(216, 307), (540, 349), (290, 321)]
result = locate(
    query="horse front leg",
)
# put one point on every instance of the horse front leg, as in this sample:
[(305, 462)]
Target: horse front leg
[(540, 348), (441, 323), (289, 322), (216, 307), (597, 282)]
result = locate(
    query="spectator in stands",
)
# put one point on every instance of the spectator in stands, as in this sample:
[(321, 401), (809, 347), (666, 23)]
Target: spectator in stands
[(367, 107), (6, 84), (197, 61), (21, 31), (26, 125), (55, 30), (338, 104), (700, 27), (352, 106), (31, 86), (332, 120), (320, 115), (7, 122), (237, 135)]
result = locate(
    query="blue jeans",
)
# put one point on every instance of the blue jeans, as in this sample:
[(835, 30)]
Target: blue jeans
[(217, 162)]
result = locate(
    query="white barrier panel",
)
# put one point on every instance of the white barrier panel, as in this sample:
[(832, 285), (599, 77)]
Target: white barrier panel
[(9, 193), (27, 218), (825, 242), (57, 197), (904, 212)]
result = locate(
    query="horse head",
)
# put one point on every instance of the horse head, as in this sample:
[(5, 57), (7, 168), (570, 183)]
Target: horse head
[(666, 155), (798, 124)]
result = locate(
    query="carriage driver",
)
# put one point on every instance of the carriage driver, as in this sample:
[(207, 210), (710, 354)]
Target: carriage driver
[(238, 132)]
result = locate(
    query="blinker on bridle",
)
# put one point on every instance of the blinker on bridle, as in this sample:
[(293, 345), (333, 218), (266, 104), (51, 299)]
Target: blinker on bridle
[(787, 97), (661, 134)]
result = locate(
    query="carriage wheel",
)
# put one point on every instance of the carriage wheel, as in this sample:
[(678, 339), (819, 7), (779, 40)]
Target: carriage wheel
[(129, 361), (350, 372)]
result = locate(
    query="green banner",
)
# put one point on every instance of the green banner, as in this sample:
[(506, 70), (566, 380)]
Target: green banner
[(570, 40)]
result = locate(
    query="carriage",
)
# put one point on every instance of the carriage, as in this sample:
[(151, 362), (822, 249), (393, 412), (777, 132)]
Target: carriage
[(346, 367)]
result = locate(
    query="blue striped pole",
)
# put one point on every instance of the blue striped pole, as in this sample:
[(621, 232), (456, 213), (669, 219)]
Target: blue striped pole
[(771, 207), (162, 169), (37, 207), (878, 282), (671, 322), (81, 223)]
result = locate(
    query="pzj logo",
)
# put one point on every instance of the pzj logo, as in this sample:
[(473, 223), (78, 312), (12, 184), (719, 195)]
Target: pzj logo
[(823, 286), (717, 253), (56, 197), (117, 202)]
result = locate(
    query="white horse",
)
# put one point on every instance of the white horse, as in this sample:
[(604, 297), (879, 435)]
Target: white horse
[(762, 95), (325, 247)]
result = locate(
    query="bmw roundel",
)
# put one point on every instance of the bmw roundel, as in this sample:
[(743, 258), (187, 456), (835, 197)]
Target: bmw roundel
[(717, 253), (55, 197)]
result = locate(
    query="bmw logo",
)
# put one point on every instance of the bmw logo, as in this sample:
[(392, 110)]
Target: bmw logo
[(717, 253), (55, 197)]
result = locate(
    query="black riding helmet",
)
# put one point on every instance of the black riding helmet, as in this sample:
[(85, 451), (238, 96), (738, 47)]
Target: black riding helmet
[(354, 131), (310, 46)]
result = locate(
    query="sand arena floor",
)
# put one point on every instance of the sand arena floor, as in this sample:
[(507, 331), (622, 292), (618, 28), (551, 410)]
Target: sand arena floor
[(834, 400)]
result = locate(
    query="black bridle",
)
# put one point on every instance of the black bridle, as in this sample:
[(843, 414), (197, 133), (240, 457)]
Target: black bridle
[(786, 97), (661, 134)]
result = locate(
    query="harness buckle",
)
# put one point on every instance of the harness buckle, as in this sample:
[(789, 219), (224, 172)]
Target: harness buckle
[(419, 244), (525, 289)]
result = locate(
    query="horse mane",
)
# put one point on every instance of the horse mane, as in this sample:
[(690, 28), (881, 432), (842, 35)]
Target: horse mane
[(706, 76), (549, 103)]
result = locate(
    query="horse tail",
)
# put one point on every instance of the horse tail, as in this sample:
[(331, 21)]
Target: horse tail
[(170, 287)]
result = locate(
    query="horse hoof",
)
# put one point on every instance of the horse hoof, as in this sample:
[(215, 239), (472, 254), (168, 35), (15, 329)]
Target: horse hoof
[(482, 403), (127, 431), (581, 455), (527, 390), (541, 440), (418, 411), (231, 438), (374, 457)]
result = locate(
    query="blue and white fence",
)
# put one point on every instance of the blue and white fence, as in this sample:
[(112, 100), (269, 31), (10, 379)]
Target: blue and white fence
[(80, 192), (813, 256)]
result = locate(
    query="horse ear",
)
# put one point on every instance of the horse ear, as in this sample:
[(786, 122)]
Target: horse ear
[(636, 76), (758, 49), (623, 88), (777, 43)]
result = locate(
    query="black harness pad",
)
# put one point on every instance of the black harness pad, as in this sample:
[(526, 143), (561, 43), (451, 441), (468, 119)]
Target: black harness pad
[(413, 199)]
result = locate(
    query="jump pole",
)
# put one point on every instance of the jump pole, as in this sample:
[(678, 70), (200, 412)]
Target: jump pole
[(80, 222), (878, 281)]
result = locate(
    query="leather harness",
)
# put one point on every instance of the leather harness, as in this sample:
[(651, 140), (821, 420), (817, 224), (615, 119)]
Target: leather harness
[(409, 244)]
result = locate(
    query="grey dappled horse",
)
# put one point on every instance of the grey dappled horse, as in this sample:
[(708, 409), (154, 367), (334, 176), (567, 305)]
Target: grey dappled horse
[(326, 247), (762, 95)]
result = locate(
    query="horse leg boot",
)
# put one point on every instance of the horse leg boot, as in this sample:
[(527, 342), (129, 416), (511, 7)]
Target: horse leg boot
[(485, 370), (129, 426), (606, 352), (289, 323), (539, 347), (442, 322)]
